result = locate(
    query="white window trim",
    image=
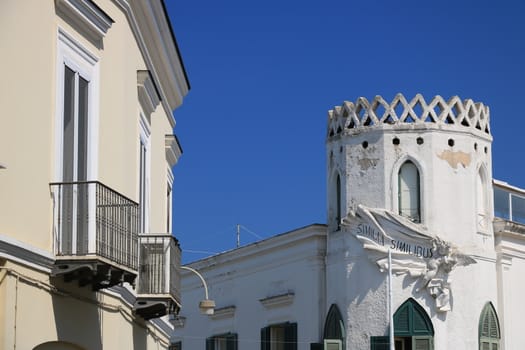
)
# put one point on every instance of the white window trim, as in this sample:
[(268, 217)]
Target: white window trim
[(169, 201), (394, 186), (483, 213), (71, 53), (145, 133)]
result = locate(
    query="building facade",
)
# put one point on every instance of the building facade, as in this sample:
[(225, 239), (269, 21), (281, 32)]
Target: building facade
[(422, 248), (87, 259)]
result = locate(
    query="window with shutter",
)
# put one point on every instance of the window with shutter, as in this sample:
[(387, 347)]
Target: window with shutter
[(279, 337), (379, 343), (413, 329), (175, 346), (265, 338), (226, 341), (489, 332), (422, 343), (334, 326)]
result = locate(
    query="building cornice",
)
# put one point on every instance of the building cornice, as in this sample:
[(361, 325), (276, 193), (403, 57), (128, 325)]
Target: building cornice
[(173, 149), (506, 186), (148, 93), (223, 312), (278, 300), (283, 240), (152, 29), (25, 254), (86, 17)]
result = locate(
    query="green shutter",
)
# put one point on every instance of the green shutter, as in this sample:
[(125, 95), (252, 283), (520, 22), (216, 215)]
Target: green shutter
[(411, 319), (489, 333), (316, 346), (265, 338), (333, 344), (231, 341), (175, 346), (422, 343), (402, 320), (210, 344), (290, 336), (379, 343), (419, 325)]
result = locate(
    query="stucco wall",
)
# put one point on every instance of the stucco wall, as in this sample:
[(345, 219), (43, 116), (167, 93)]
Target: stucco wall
[(290, 265), (36, 311), (29, 42)]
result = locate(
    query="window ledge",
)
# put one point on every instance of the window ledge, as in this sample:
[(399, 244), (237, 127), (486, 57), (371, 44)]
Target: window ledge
[(223, 312), (149, 97), (278, 300), (173, 149), (86, 17)]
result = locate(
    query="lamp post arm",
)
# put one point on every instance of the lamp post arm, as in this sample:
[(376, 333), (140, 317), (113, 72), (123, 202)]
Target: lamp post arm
[(200, 276)]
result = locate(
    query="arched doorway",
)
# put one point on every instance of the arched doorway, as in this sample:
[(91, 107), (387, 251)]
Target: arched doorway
[(412, 327)]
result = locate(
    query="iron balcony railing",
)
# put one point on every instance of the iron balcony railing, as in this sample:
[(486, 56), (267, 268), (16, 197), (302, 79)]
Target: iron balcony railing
[(509, 205), (91, 219), (159, 274)]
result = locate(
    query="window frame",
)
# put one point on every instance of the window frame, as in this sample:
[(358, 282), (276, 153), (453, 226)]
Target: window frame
[(290, 336), (338, 195), (411, 321), (144, 174), (486, 314), (329, 342), (419, 218), (482, 201), (84, 64), (71, 53), (231, 341), (169, 201)]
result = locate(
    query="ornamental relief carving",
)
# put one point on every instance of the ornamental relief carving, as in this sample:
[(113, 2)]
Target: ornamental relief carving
[(414, 251)]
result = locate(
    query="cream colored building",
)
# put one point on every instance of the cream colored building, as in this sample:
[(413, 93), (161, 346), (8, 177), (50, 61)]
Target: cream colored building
[(87, 260)]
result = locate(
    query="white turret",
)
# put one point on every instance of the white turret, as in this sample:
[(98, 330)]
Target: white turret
[(414, 178)]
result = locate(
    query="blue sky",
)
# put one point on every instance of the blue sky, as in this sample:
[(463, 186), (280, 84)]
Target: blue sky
[(265, 73)]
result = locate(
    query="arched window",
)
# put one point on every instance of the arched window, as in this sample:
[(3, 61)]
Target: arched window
[(481, 201), (408, 192), (489, 333), (412, 329), (338, 202), (334, 328)]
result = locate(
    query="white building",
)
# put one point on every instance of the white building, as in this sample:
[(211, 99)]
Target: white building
[(411, 196)]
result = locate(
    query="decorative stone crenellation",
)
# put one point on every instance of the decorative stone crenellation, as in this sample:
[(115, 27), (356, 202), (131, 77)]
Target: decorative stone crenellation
[(362, 113)]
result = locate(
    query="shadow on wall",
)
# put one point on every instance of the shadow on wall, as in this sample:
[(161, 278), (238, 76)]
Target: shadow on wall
[(139, 337), (77, 321), (57, 345)]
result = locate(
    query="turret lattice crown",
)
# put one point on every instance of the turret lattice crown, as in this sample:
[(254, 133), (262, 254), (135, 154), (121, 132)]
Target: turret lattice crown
[(467, 113)]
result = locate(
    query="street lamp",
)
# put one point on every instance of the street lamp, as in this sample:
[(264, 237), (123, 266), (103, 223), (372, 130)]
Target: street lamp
[(207, 305)]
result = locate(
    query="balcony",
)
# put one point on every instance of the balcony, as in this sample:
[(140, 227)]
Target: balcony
[(158, 290), (509, 204), (95, 234)]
